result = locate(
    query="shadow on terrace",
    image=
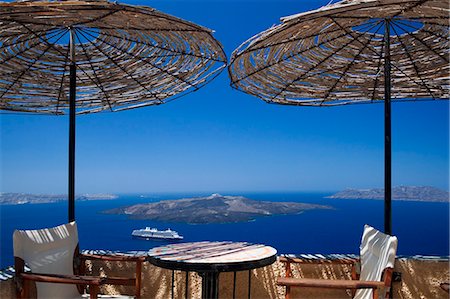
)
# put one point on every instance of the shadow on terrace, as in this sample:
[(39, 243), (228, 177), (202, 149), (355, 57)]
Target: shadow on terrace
[(421, 278)]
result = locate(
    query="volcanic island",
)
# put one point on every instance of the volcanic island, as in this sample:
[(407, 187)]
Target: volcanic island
[(215, 208)]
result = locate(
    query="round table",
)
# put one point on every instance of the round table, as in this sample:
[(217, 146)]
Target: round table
[(208, 259)]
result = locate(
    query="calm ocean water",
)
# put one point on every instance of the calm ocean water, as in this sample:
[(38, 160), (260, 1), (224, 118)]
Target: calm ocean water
[(422, 228)]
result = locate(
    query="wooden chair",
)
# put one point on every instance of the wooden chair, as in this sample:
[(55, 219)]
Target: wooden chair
[(371, 274), (58, 267)]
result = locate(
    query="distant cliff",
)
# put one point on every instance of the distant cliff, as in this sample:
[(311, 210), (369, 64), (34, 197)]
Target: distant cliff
[(215, 208), (23, 198), (408, 193)]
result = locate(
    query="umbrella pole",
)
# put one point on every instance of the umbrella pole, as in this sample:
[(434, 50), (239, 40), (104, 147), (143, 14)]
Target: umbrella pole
[(72, 95), (387, 133)]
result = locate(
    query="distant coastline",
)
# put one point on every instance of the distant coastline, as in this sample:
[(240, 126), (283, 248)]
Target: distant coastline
[(25, 198), (405, 193)]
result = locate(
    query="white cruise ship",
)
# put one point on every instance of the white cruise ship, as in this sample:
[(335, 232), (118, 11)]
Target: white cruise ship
[(153, 233)]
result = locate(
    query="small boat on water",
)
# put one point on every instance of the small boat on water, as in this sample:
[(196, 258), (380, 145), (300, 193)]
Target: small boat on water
[(153, 233)]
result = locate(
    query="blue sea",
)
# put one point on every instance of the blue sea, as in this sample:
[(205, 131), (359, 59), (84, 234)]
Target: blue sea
[(421, 227)]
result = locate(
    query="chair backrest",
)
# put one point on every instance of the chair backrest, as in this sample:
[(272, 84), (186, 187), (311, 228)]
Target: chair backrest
[(50, 251), (377, 252)]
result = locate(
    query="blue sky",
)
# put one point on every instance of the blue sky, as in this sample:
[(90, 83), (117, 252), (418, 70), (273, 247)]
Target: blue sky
[(221, 140)]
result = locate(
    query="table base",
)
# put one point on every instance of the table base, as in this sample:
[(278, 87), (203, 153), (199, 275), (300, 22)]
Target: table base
[(210, 285)]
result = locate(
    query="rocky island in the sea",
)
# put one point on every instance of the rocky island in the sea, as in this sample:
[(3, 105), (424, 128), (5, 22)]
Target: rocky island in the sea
[(215, 208), (408, 193), (24, 198)]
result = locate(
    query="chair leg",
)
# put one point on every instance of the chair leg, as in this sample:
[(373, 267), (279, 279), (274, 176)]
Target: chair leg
[(138, 279), (93, 291), (20, 294), (20, 283), (24, 291), (288, 292), (375, 293), (288, 270), (387, 277)]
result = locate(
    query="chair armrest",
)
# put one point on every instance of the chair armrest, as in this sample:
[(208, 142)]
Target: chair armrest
[(295, 260), (120, 281), (119, 258), (332, 284), (59, 278)]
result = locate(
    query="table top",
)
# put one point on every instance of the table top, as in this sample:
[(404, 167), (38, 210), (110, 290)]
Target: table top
[(212, 256)]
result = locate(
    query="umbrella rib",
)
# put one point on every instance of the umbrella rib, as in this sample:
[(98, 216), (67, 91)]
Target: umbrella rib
[(31, 47), (125, 9), (380, 56), (351, 62), (96, 19), (393, 65), (160, 15), (289, 56), (416, 69), (352, 9), (171, 98), (51, 45), (98, 83), (111, 28), (124, 70), (413, 5), (2, 19), (157, 47), (28, 67), (350, 17), (397, 21), (61, 85), (286, 42), (147, 62), (40, 9), (378, 73), (430, 18), (8, 18), (29, 22), (24, 40), (216, 73), (294, 23), (398, 18), (424, 43), (152, 29), (406, 75), (421, 19), (317, 64)]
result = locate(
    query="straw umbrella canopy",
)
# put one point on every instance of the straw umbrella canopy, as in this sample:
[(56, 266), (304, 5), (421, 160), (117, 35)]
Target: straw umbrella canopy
[(360, 51), (80, 57)]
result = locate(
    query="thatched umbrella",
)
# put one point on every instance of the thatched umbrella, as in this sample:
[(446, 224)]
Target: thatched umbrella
[(360, 51), (80, 57)]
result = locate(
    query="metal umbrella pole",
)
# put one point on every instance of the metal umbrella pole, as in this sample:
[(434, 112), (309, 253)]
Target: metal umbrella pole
[(387, 133), (72, 110)]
